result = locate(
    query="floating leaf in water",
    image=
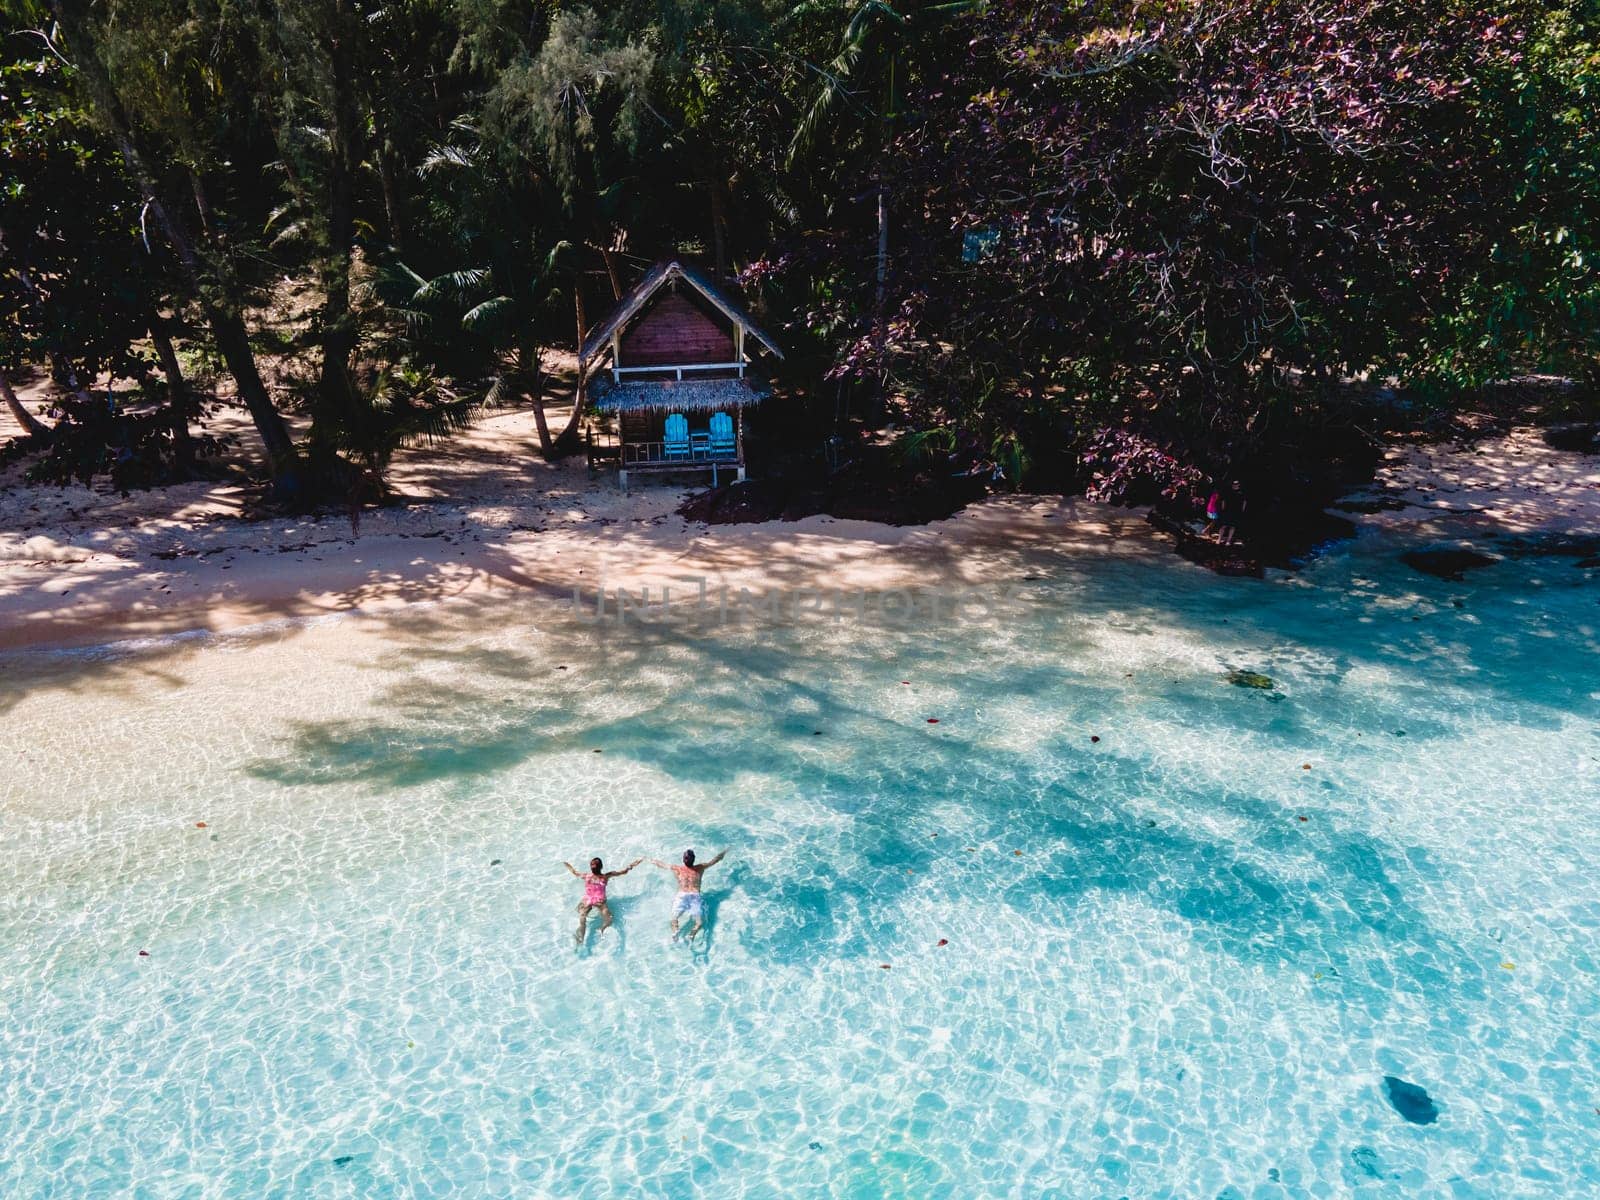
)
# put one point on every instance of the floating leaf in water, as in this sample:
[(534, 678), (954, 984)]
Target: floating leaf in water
[(1251, 679), (944, 941), (1366, 1158), (1094, 737), (933, 720)]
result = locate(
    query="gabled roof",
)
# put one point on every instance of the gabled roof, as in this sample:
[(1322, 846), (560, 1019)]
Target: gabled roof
[(656, 278)]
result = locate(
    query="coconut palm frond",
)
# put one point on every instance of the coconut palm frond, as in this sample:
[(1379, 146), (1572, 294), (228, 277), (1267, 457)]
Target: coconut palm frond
[(396, 284), (436, 422), (502, 391), (281, 213), (293, 232), (461, 286), (486, 315), (447, 158), (808, 8), (833, 94)]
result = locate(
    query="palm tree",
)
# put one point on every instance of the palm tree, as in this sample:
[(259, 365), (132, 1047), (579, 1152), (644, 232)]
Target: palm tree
[(862, 87)]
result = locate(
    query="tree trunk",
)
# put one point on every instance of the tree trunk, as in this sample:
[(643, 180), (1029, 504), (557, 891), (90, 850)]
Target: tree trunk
[(394, 197), (879, 318), (611, 271), (338, 322), (31, 425), (177, 397), (567, 440), (883, 247), (719, 230), (202, 202), (530, 368), (222, 313), (233, 340)]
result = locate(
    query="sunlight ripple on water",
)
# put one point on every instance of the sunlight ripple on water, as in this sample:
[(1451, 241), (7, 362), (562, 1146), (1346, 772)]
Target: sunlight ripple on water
[(1180, 960)]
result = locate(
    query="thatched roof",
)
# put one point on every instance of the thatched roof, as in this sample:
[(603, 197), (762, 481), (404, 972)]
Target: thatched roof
[(655, 278), (677, 395)]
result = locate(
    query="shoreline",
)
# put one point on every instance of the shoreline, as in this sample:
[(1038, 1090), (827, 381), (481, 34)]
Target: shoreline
[(487, 518)]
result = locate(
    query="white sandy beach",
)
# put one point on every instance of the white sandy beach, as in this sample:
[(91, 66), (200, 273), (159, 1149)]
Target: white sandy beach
[(486, 515)]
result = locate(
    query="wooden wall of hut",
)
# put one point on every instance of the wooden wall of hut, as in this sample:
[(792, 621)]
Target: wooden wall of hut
[(642, 426), (675, 330)]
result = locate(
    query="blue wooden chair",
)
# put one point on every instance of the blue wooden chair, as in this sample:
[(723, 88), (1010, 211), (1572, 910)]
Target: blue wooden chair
[(676, 438), (723, 442)]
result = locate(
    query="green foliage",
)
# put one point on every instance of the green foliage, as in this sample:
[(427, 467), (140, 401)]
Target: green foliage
[(1017, 224)]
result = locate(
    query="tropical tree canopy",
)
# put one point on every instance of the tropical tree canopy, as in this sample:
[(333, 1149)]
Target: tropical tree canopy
[(1086, 242)]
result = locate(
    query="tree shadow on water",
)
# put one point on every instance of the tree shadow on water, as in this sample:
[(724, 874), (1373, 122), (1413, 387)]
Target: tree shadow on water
[(1271, 890)]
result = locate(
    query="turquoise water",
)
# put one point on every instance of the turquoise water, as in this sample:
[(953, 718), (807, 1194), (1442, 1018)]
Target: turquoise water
[(1176, 961)]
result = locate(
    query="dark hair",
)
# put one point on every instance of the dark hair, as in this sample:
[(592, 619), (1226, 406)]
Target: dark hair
[(594, 865), (688, 858)]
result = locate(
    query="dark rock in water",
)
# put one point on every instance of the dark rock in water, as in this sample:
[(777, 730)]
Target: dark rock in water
[(1445, 563), (1588, 564), (1251, 679), (1581, 436), (344, 1160), (1410, 1101), (816, 1145), (494, 862), (1552, 545), (1382, 504)]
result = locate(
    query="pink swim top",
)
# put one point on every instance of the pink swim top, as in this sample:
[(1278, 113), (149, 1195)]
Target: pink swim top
[(594, 889)]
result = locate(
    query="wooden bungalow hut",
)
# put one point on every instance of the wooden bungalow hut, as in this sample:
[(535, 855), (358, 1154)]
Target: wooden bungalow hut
[(680, 379)]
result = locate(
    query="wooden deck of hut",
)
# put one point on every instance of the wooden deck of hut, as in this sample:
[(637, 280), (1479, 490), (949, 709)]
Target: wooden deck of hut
[(680, 380)]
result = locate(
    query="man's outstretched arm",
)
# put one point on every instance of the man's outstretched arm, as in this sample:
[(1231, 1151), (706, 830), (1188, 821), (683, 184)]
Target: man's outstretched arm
[(714, 861)]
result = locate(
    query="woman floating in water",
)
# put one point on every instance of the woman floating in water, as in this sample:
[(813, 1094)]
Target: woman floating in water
[(594, 894)]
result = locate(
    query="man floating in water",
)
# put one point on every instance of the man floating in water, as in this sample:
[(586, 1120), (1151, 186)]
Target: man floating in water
[(594, 894), (689, 902)]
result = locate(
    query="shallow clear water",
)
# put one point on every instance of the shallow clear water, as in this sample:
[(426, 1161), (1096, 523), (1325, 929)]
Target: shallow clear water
[(1178, 962)]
